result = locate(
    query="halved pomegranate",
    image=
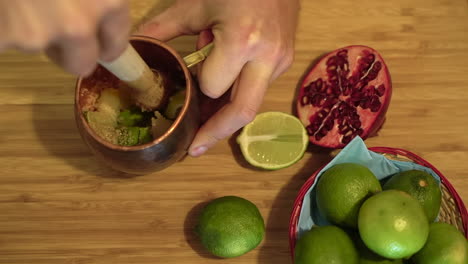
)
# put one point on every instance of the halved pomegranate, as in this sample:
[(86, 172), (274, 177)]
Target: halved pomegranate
[(346, 94)]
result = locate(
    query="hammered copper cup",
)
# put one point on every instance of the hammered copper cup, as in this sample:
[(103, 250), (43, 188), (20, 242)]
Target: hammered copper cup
[(163, 151)]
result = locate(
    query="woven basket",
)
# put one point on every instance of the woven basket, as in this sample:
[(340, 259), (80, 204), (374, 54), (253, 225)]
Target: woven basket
[(452, 210)]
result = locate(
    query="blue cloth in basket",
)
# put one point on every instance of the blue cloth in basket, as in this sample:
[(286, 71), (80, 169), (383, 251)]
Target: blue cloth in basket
[(355, 152)]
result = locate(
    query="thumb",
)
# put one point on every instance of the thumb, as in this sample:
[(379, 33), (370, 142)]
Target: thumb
[(182, 18)]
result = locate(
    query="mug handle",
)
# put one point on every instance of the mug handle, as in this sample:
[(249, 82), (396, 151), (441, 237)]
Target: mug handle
[(198, 56)]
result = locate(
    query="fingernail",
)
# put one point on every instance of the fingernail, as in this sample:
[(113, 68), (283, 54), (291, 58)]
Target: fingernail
[(198, 151)]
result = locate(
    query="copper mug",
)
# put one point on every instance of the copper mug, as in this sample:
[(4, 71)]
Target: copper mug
[(173, 144)]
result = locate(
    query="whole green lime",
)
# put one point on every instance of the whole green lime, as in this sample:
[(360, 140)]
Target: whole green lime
[(230, 226), (372, 258), (393, 224), (445, 245), (342, 189), (367, 256), (422, 186), (325, 244)]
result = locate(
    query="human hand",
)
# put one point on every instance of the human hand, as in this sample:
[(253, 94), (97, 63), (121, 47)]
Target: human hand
[(253, 45), (74, 33)]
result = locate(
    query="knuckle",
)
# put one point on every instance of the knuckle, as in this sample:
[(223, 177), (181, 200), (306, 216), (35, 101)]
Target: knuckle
[(280, 55), (288, 60), (114, 4), (83, 68), (31, 38), (34, 42), (249, 35), (111, 5), (111, 53), (83, 65), (246, 114), (112, 45), (278, 52), (78, 29), (213, 138)]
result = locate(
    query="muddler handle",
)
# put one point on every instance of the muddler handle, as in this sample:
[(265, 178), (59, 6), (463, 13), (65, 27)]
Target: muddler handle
[(133, 70)]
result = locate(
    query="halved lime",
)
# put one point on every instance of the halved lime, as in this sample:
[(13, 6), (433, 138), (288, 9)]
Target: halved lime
[(274, 140)]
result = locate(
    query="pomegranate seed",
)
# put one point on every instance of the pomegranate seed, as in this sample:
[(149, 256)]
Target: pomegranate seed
[(331, 60), (359, 86), (341, 120), (343, 53), (324, 88), (365, 103), (336, 91), (323, 113), (305, 100), (378, 66), (365, 67), (375, 105), (346, 140), (328, 103), (335, 100), (315, 100), (319, 83), (331, 69), (346, 91), (341, 63), (314, 125), (371, 76), (370, 90), (345, 130), (354, 116), (381, 90), (322, 132), (346, 68), (335, 114), (329, 124), (356, 95), (356, 123), (312, 88)]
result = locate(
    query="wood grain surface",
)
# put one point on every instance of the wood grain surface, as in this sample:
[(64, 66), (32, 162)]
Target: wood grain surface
[(59, 205)]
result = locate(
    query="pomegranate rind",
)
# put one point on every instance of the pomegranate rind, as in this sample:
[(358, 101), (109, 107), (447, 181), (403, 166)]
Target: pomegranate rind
[(371, 122)]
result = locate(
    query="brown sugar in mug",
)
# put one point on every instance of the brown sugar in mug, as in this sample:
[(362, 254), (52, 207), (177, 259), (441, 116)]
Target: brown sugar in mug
[(165, 150)]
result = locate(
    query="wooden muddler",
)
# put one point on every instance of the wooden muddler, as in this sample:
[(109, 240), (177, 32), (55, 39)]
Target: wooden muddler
[(147, 86)]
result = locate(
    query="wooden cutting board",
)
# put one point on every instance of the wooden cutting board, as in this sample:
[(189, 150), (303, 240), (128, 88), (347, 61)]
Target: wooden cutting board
[(59, 205)]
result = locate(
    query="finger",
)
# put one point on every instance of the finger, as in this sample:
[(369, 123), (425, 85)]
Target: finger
[(31, 33), (222, 66), (78, 57), (246, 100), (204, 38), (113, 33), (183, 18), (284, 64)]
